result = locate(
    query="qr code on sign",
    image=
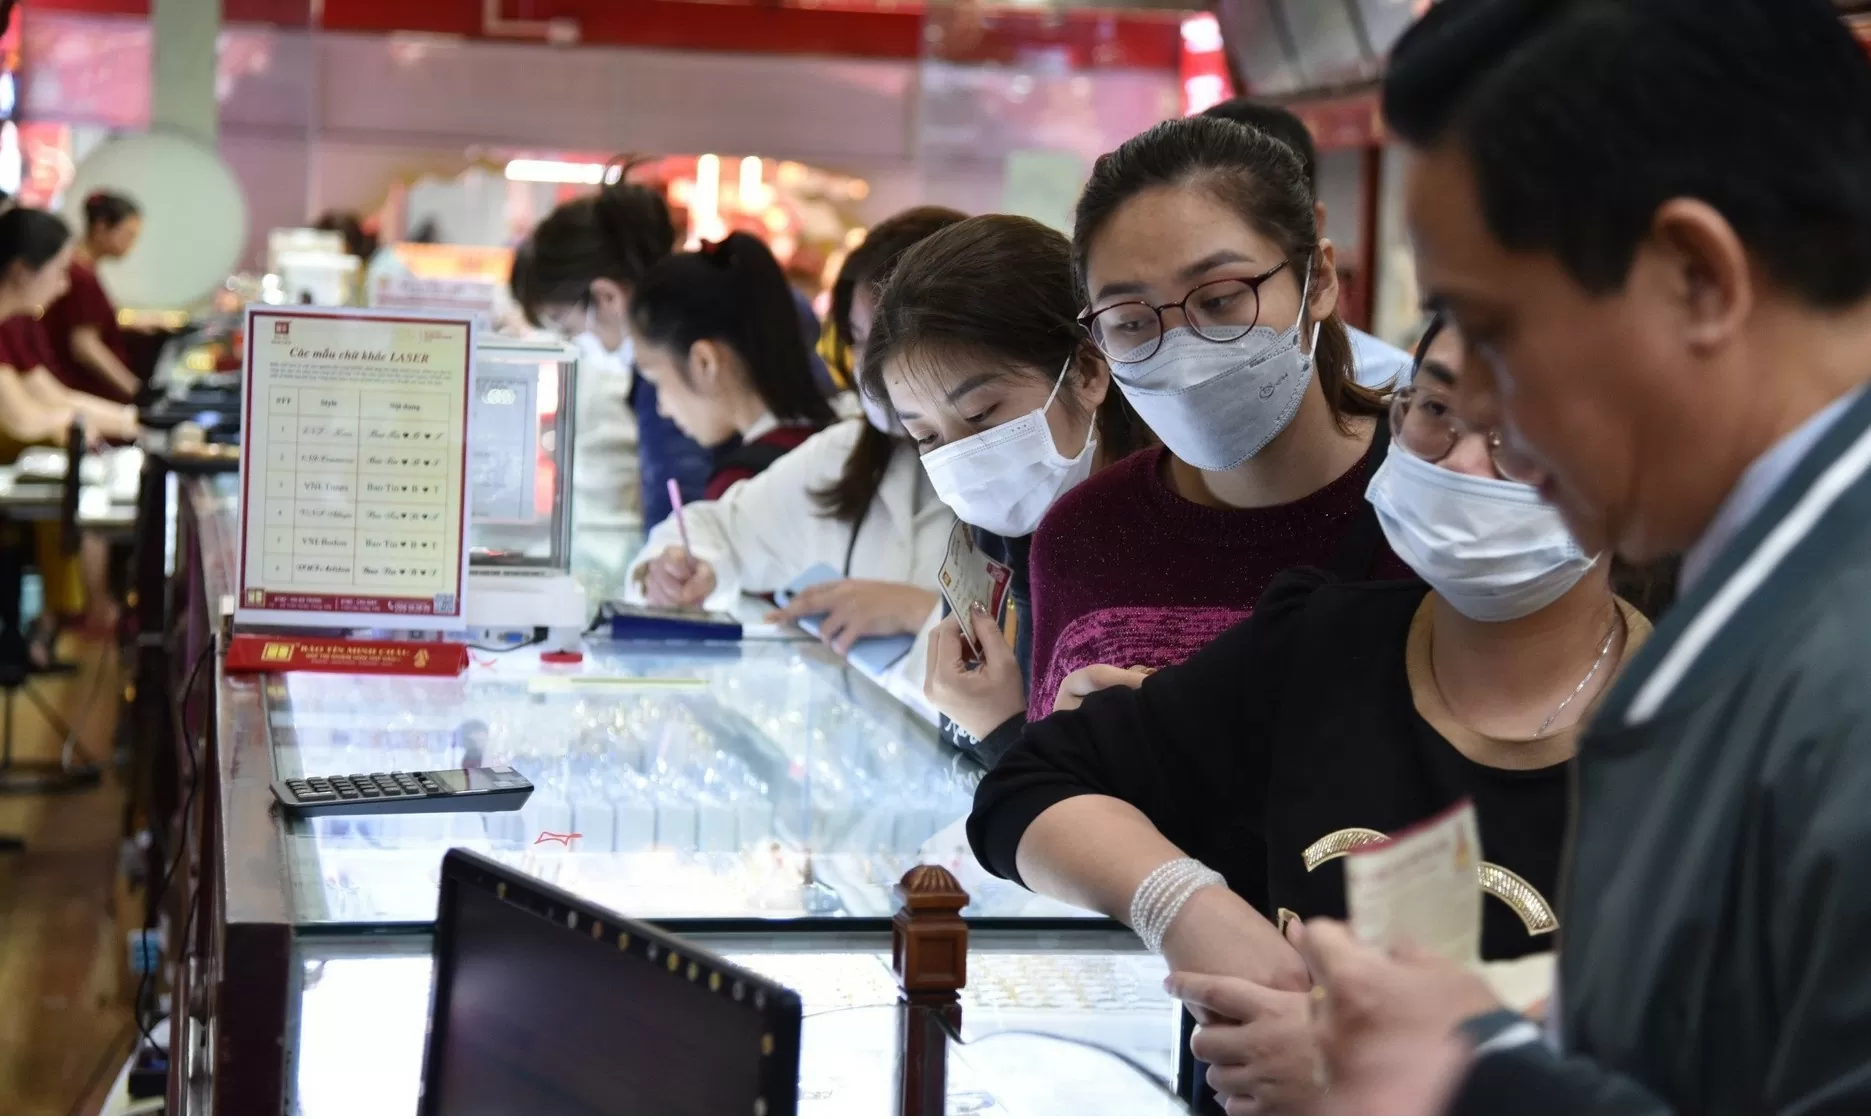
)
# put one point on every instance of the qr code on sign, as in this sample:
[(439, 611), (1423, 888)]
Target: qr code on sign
[(444, 604)]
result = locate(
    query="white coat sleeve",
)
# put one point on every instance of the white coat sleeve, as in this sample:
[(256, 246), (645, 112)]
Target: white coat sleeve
[(765, 530), (709, 537)]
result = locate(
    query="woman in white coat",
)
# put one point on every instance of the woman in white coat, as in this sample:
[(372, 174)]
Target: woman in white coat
[(853, 497)]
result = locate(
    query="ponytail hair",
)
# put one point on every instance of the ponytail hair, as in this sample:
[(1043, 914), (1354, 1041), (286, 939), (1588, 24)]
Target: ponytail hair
[(31, 237), (734, 293), (106, 209), (617, 234)]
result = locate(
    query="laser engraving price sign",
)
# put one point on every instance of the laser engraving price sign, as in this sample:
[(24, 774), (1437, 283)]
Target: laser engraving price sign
[(353, 468)]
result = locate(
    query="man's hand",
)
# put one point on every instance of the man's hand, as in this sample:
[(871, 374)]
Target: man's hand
[(676, 578), (1096, 678), (1262, 1054), (858, 608), (1387, 1023), (976, 696)]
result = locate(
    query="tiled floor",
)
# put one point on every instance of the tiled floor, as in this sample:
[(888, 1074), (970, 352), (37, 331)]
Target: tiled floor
[(64, 1010)]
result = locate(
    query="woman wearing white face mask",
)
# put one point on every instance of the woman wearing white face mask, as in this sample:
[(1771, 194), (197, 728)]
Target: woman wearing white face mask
[(1208, 289), (974, 345), (1336, 715), (851, 498)]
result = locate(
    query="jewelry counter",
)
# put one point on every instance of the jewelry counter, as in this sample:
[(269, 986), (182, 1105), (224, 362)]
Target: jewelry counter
[(758, 798)]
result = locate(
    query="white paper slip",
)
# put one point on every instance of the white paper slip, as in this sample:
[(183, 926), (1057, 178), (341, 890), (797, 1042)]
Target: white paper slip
[(1420, 888)]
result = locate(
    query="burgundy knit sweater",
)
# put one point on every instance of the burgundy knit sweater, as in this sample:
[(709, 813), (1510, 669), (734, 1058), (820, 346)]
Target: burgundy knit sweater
[(1127, 572)]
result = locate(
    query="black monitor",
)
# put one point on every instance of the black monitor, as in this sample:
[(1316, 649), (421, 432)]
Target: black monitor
[(547, 1005)]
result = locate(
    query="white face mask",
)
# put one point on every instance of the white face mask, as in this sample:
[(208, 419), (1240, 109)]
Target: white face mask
[(1217, 404), (1004, 479), (1495, 550), (879, 416)]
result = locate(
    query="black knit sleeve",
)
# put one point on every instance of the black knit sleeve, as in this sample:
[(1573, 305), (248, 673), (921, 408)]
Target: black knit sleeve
[(990, 750), (1185, 749)]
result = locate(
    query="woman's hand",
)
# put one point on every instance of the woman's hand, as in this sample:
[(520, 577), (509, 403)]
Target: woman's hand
[(1218, 933), (857, 608), (676, 578), (1096, 678), (122, 425), (976, 697), (1262, 1054)]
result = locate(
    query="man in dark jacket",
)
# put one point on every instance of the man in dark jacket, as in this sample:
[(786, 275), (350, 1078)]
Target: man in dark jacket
[(1652, 221)]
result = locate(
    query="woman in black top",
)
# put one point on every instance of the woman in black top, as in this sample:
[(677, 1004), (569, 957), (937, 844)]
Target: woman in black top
[(1336, 715)]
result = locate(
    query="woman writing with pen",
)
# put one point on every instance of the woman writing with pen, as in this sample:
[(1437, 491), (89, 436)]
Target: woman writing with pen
[(851, 499)]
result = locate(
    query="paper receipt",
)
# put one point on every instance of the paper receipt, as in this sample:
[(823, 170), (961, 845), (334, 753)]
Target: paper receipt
[(968, 577), (1421, 888)]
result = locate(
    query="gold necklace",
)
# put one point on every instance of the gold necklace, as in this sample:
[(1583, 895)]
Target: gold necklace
[(1603, 652)]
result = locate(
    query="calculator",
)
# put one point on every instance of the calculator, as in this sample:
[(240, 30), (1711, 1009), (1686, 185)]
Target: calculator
[(495, 789)]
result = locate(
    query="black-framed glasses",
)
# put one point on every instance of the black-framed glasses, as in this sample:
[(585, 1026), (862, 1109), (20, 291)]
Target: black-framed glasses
[(1218, 311), (1423, 425)]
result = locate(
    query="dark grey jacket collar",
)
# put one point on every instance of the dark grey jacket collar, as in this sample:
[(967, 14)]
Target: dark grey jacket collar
[(1824, 498)]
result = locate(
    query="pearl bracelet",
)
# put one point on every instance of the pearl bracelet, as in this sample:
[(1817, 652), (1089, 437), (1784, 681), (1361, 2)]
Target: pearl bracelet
[(1161, 896)]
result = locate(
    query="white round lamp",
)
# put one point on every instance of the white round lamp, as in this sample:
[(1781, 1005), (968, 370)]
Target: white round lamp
[(194, 218)]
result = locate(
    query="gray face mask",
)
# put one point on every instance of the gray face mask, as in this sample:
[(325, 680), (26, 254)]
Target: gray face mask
[(1217, 404)]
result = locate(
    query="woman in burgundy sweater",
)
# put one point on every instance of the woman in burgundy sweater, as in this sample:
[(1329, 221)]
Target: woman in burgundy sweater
[(87, 344), (1215, 301), (717, 333)]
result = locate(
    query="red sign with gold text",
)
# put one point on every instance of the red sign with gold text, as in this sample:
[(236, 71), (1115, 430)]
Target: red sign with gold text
[(261, 653)]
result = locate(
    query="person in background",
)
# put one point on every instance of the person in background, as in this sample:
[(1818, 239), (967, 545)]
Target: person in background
[(976, 347), (359, 241), (586, 259), (36, 410), (607, 495), (579, 268), (717, 333), (1376, 363), (36, 251), (87, 344), (1212, 296), (1650, 219), (1338, 714), (852, 498)]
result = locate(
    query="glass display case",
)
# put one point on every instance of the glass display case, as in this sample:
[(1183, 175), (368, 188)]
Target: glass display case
[(760, 798), (1085, 1030), (759, 781), (520, 462)]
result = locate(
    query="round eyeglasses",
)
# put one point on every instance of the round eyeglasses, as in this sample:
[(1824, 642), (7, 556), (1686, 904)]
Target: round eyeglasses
[(1218, 311), (1422, 424)]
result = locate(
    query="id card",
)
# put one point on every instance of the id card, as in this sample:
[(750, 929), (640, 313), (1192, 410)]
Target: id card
[(1421, 888), (968, 577)]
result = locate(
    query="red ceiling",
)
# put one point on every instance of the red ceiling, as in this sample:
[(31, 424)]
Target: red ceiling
[(859, 28)]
